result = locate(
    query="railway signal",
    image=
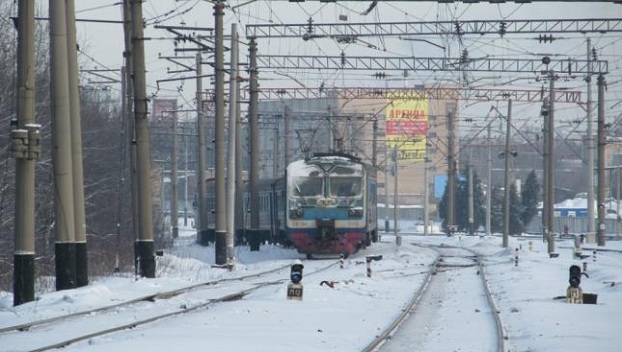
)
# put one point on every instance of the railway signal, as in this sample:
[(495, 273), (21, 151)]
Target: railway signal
[(574, 293), (294, 289)]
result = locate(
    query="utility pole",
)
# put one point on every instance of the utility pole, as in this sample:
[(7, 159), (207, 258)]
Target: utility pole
[(602, 142), (276, 152), (287, 136), (451, 173), (231, 179), (590, 146), (201, 224), (144, 244), (550, 210), (65, 247), (26, 149), (374, 161), (174, 178), (122, 143), (186, 181), (82, 277), (254, 148), (374, 146), (131, 130), (219, 111), (239, 179), (506, 196), (426, 190), (387, 166), (398, 237), (489, 180), (471, 214), (546, 160)]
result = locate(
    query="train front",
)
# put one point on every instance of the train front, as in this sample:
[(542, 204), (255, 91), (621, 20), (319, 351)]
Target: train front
[(326, 212)]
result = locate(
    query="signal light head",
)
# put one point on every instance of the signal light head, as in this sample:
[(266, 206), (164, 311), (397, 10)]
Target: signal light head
[(296, 273), (574, 276)]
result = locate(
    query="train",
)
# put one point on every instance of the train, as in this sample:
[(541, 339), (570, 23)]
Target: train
[(331, 204), (325, 204), (271, 192)]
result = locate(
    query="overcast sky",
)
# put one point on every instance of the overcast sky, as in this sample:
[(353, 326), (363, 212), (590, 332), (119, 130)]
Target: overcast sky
[(103, 44)]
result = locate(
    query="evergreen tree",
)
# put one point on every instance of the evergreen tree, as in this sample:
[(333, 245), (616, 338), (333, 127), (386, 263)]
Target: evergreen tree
[(461, 205), (530, 197), (496, 211), (516, 225)]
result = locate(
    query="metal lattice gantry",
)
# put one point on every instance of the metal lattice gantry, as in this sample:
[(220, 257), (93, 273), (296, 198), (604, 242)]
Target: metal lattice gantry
[(396, 63), (351, 31), (439, 93), (468, 1)]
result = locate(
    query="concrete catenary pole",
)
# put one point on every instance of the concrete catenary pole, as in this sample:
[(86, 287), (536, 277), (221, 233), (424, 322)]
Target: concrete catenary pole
[(600, 231), (174, 178), (65, 246), (374, 160), (451, 173), (545, 168), (276, 153), (82, 277), (489, 181), (506, 193), (219, 111), (374, 146), (25, 140), (239, 177), (590, 146), (550, 210), (129, 113), (471, 210), (202, 235), (287, 154), (123, 143), (253, 116), (426, 189), (231, 179), (144, 244), (396, 205)]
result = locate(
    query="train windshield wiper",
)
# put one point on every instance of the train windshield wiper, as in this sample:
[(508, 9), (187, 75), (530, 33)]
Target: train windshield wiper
[(304, 200)]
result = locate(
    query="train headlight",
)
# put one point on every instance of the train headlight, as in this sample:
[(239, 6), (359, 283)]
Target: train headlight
[(296, 213), (355, 212)]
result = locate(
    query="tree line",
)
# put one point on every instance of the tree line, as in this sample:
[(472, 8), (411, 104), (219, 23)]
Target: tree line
[(106, 168), (523, 206)]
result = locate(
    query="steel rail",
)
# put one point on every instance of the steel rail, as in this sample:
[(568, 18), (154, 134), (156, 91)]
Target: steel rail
[(149, 297), (185, 309), (418, 297)]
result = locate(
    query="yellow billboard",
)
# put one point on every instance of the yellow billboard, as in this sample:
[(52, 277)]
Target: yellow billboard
[(407, 125)]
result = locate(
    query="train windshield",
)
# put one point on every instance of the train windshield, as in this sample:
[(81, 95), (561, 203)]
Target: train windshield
[(307, 186), (345, 186)]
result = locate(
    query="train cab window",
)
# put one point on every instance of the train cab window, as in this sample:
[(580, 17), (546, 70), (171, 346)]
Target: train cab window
[(345, 186), (307, 186)]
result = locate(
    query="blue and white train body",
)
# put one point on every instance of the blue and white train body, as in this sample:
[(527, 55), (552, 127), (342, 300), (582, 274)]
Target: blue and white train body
[(331, 204)]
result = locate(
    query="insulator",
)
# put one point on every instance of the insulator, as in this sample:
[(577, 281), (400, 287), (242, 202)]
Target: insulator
[(502, 28), (465, 55)]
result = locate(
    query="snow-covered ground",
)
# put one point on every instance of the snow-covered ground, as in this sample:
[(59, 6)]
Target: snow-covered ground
[(347, 316)]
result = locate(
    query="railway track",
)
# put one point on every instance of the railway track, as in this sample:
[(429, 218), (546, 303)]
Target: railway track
[(80, 326), (454, 297)]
